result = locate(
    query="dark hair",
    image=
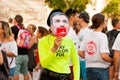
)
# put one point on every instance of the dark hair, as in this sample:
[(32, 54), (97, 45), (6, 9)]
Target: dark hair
[(43, 31), (33, 27), (10, 20), (97, 20), (48, 19), (19, 20), (85, 16), (71, 12), (114, 22)]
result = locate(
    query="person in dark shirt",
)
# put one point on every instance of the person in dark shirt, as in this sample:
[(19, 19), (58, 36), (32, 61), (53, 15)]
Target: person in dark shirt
[(22, 58), (112, 34)]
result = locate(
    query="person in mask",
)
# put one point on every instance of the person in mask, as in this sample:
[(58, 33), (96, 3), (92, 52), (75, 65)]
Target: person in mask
[(55, 51)]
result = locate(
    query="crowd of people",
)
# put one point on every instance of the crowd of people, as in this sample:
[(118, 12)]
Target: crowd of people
[(70, 50)]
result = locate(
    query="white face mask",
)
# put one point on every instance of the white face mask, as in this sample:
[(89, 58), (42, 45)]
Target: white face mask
[(59, 21)]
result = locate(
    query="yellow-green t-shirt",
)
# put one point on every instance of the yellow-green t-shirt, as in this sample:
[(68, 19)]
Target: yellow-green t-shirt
[(59, 62)]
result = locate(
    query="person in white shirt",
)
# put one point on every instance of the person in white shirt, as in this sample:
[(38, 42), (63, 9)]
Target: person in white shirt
[(84, 31), (73, 19), (116, 48), (8, 45), (94, 48)]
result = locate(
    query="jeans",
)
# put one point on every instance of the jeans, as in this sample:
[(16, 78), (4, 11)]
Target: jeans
[(97, 74), (12, 72)]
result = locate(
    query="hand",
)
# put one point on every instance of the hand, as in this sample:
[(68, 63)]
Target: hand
[(57, 43), (116, 75), (37, 67)]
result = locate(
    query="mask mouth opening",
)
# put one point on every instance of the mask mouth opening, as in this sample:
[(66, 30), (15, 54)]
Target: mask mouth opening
[(61, 31)]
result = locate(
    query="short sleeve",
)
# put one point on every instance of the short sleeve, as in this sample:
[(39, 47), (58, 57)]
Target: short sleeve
[(116, 45), (104, 44)]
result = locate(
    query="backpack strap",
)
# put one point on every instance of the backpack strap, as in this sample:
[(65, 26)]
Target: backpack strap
[(11, 61), (5, 64), (111, 38), (18, 27), (116, 34)]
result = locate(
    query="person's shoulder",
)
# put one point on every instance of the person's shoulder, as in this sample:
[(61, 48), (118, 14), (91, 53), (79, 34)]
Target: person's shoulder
[(44, 38), (68, 39), (118, 35), (108, 32), (10, 38), (103, 35), (14, 28), (112, 31), (100, 34)]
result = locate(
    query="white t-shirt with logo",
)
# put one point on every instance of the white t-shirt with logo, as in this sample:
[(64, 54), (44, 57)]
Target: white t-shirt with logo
[(10, 47), (94, 44)]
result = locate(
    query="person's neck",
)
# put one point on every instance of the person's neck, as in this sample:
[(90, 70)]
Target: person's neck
[(84, 25), (32, 34), (115, 28), (71, 24), (98, 29)]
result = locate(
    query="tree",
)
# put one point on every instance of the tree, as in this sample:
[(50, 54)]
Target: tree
[(112, 9), (79, 5)]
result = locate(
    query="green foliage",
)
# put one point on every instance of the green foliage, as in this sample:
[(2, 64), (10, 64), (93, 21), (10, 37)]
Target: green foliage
[(112, 9), (79, 5)]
